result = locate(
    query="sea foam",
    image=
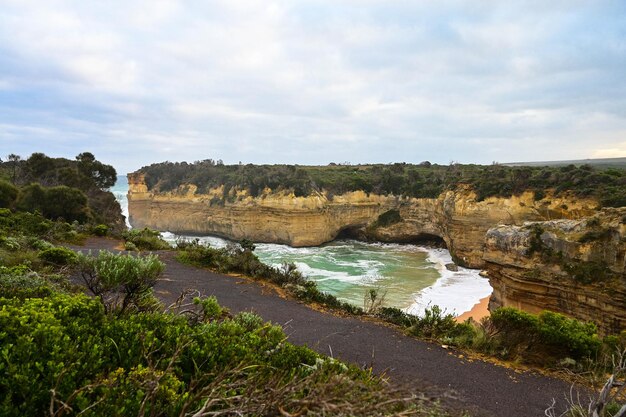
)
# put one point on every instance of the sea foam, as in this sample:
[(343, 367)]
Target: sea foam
[(455, 291)]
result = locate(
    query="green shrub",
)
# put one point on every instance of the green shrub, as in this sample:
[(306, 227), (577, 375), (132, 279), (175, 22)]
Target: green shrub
[(130, 246), (19, 281), (65, 351), (396, 316), (8, 194), (145, 239), (567, 336), (545, 338), (248, 321), (122, 282), (101, 230), (39, 244), (434, 324), (211, 310), (58, 256), (10, 243)]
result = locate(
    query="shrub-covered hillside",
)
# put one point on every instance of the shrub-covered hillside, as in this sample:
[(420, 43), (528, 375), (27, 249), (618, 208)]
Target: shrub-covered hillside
[(74, 190), (423, 180), (122, 353)]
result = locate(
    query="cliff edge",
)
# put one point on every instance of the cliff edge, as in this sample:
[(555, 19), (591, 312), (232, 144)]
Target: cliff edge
[(576, 267), (454, 217)]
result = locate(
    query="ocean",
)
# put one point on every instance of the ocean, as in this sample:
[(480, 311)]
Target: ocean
[(410, 277)]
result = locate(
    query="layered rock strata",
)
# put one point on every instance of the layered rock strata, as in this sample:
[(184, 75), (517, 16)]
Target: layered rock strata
[(454, 216), (576, 267)]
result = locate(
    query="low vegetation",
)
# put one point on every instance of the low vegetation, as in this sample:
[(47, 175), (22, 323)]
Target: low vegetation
[(63, 353), (144, 239), (608, 186)]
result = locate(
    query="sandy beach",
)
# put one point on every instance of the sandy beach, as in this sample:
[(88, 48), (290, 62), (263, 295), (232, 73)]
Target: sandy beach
[(480, 310)]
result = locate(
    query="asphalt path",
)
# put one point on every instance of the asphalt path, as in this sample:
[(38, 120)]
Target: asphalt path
[(482, 388)]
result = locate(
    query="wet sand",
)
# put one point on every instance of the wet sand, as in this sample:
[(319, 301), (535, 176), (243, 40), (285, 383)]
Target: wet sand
[(480, 310)]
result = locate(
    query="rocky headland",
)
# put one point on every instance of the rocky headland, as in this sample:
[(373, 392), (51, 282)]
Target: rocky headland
[(540, 250), (575, 267), (456, 218)]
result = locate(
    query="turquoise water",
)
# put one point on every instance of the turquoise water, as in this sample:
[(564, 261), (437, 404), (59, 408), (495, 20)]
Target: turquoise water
[(120, 191), (410, 277)]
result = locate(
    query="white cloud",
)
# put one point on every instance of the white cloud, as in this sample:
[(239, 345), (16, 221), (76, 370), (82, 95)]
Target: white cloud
[(315, 81)]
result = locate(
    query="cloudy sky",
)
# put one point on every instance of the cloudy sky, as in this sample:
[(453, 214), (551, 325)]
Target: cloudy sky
[(311, 82)]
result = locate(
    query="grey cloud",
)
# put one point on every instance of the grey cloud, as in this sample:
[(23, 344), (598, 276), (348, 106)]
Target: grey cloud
[(313, 82)]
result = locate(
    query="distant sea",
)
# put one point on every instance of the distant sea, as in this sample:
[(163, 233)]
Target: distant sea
[(412, 277)]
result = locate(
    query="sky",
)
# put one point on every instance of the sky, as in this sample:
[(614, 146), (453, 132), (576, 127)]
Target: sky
[(313, 82)]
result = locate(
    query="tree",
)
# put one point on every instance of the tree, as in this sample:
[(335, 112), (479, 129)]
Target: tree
[(39, 167), (31, 198), (104, 176), (66, 202), (14, 160), (8, 194)]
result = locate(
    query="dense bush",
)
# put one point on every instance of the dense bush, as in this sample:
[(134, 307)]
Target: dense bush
[(122, 282), (8, 194), (543, 338), (19, 281), (58, 256), (144, 239), (63, 355), (437, 324), (62, 188), (101, 230)]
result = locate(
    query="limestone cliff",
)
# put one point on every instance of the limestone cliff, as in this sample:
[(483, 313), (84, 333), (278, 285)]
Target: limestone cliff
[(454, 216), (576, 267)]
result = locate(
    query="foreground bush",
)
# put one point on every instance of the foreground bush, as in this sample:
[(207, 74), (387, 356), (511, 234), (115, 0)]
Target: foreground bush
[(63, 355), (547, 335), (122, 282)]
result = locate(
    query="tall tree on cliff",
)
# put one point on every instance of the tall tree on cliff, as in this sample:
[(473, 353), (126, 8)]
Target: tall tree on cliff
[(14, 160)]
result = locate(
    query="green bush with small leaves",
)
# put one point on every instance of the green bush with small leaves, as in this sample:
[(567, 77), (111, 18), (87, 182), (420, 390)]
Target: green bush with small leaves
[(101, 230), (58, 256), (122, 282), (145, 239), (545, 337), (64, 355)]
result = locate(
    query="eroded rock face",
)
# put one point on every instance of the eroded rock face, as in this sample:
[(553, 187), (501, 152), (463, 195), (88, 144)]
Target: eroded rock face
[(455, 217), (575, 267)]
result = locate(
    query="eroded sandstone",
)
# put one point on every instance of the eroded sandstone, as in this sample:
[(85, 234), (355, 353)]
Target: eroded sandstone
[(454, 216), (575, 267)]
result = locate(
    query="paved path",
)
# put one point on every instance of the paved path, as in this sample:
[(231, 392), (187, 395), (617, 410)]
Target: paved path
[(482, 388)]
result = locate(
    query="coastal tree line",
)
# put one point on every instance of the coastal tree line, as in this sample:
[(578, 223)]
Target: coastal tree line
[(74, 190), (423, 180)]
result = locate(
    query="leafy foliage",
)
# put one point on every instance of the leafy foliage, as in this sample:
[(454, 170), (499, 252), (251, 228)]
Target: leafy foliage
[(609, 187), (61, 188), (64, 356), (122, 282), (144, 239), (58, 256), (8, 194)]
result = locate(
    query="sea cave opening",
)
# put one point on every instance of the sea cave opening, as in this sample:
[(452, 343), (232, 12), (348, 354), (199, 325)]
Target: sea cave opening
[(358, 232), (427, 239)]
